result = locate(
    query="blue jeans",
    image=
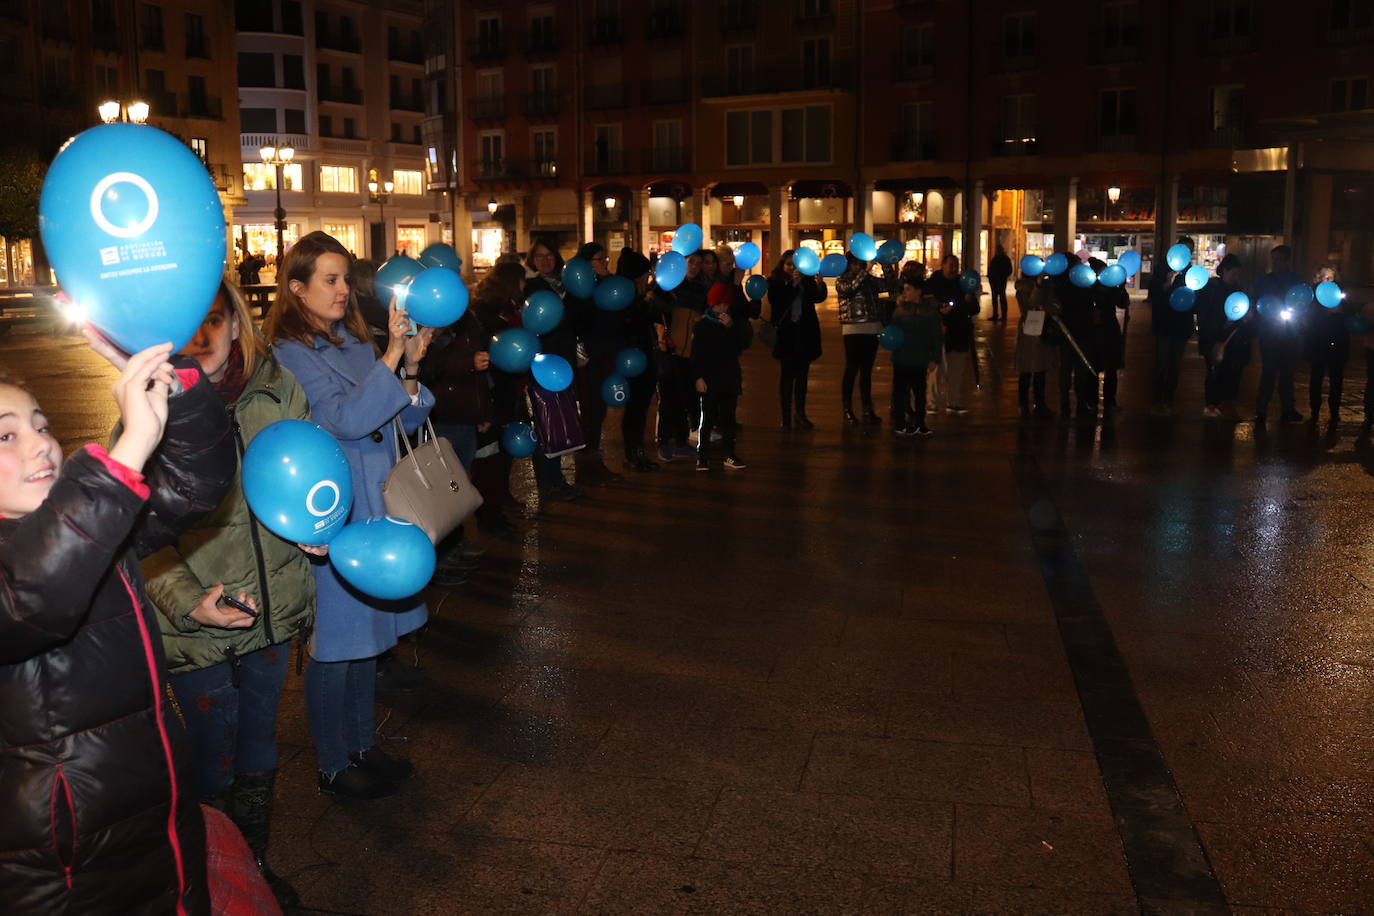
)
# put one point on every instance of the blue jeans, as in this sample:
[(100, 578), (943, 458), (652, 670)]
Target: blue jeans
[(463, 436), (338, 706), (233, 729)]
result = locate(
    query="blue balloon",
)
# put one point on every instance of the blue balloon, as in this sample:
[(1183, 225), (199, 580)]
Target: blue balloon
[(1112, 275), (551, 372), (436, 298), (891, 337), (518, 440), (970, 282), (1237, 305), (1056, 264), (1298, 295), (670, 271), (579, 277), (755, 287), (1181, 299), (747, 255), (1269, 306), (614, 293), (687, 239), (631, 362), (615, 391), (297, 481), (832, 265), (1329, 294), (542, 312), (1032, 265), (1178, 257), (388, 558), (862, 246), (1130, 262), (1196, 277), (134, 228), (393, 278), (1082, 276), (890, 252), (513, 350), (807, 262), (441, 254)]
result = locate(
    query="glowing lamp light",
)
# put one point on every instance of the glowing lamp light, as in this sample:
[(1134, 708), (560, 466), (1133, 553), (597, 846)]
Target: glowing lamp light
[(109, 111), (268, 153), (1113, 194), (138, 112), (610, 202), (738, 200), (74, 312), (1286, 314), (491, 206)]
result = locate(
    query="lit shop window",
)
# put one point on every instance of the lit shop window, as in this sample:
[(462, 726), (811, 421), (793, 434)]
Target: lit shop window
[(259, 176), (339, 179), (411, 240), (408, 181)]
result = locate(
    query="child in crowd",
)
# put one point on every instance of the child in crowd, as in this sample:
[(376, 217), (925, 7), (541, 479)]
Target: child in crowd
[(923, 339), (715, 367), (101, 815)]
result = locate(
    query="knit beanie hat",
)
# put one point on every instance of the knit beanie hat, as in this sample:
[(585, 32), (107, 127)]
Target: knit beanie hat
[(632, 264), (589, 250)]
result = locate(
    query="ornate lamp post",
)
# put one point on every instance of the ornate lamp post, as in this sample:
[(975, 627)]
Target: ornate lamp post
[(379, 194), (279, 157)]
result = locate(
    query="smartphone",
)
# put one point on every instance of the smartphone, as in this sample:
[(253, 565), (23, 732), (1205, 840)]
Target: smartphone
[(236, 603)]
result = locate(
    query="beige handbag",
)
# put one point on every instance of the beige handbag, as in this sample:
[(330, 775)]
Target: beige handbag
[(428, 487)]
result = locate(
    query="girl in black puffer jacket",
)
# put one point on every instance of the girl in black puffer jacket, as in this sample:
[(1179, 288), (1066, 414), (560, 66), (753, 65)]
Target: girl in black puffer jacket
[(97, 812)]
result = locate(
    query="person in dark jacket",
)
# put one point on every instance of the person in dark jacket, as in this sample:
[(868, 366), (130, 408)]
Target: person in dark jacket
[(1108, 340), (999, 272), (1326, 348), (679, 310), (717, 378), (637, 329), (1172, 330), (228, 666), (861, 318), (544, 270), (98, 810), (1213, 328), (922, 343), (1278, 329), (600, 335), (792, 300), (958, 309), (1076, 309)]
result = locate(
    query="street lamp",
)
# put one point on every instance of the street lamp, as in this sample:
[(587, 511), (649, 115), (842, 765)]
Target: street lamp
[(610, 203), (1113, 194), (491, 206), (112, 110), (279, 157), (738, 201), (379, 194)]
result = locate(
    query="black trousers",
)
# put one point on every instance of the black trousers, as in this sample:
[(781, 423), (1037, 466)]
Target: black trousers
[(636, 411), (860, 350), (908, 382), (1276, 367), (999, 295), (673, 400), (1327, 367), (792, 385), (1027, 381), (717, 412), (1168, 365)]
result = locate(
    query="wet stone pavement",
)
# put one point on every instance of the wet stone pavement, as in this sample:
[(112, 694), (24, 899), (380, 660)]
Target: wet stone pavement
[(1057, 667)]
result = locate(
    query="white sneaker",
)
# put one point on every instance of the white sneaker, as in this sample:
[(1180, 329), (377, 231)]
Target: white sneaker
[(734, 464)]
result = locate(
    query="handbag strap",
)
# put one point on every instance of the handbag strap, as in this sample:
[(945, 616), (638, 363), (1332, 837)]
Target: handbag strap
[(427, 433)]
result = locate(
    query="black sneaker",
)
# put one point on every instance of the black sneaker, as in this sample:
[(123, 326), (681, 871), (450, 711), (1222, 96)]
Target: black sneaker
[(356, 782), (378, 761), (924, 431), (703, 464)]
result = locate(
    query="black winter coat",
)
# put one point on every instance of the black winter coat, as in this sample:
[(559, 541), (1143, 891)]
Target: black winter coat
[(97, 810), (715, 357), (801, 339)]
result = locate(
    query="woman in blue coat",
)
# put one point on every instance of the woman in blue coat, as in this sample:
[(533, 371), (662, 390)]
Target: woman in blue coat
[(317, 332)]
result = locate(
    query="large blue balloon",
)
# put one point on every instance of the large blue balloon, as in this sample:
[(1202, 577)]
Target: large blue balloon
[(518, 440), (891, 337), (393, 278), (1130, 262), (513, 350), (615, 391), (1178, 257), (579, 277), (862, 246), (387, 558), (631, 362), (1298, 295), (890, 252), (832, 265), (755, 287), (970, 282), (1082, 276), (1032, 265), (1236, 306), (542, 312), (1112, 275), (441, 254), (436, 298), (297, 482), (551, 372), (1196, 277), (134, 229), (670, 271), (807, 262), (687, 239), (614, 293), (1056, 264), (747, 255), (1329, 294), (1181, 299)]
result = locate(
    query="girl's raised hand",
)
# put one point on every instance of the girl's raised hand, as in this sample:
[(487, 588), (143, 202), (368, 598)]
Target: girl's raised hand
[(141, 393)]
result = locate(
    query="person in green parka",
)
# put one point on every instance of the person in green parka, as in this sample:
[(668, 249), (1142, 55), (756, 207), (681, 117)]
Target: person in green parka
[(228, 665)]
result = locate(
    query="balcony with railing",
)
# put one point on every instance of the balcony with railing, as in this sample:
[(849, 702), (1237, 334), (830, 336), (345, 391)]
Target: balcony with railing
[(1116, 142), (775, 80), (541, 44), (334, 41), (405, 101), (489, 169), (665, 159), (601, 98), (607, 163), (1227, 136), (605, 30), (489, 50), (912, 147), (209, 107), (541, 105), (671, 91), (406, 52), (489, 108), (911, 68), (349, 95), (1024, 146)]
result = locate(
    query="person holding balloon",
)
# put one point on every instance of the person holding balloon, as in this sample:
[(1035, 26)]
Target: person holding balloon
[(601, 335), (681, 308), (1277, 326), (860, 321), (317, 332), (1171, 323), (1035, 351), (958, 308), (1213, 327), (1108, 340), (544, 270), (716, 378), (792, 300), (632, 362), (1326, 347), (922, 342)]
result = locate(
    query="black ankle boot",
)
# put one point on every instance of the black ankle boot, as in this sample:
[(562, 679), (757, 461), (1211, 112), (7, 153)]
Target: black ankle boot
[(251, 810), (849, 417)]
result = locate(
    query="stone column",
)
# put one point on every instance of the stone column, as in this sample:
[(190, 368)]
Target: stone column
[(971, 256), (864, 221), (641, 218), (779, 225), (523, 217), (462, 232), (586, 223), (1166, 219), (1065, 212), (702, 201)]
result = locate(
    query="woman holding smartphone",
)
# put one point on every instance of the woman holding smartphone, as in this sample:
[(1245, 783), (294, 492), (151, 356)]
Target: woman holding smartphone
[(232, 595)]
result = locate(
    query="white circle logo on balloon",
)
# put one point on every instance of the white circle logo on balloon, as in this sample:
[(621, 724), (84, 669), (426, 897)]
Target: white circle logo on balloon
[(310, 498), (98, 214)]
